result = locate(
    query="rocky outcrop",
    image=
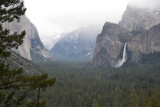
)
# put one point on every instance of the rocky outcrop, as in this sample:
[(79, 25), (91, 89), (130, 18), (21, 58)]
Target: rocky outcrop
[(108, 45), (32, 42), (138, 28), (145, 43), (77, 45), (136, 18)]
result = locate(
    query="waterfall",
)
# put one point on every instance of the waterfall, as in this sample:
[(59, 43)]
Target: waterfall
[(124, 58)]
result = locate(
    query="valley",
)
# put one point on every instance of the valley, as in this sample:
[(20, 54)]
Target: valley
[(79, 84), (85, 65)]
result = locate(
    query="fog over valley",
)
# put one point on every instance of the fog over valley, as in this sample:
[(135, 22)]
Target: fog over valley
[(80, 53)]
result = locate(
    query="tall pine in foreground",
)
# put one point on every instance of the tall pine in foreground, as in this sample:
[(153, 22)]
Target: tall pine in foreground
[(14, 85)]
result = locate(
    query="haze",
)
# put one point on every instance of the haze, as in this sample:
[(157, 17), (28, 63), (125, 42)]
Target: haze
[(53, 17)]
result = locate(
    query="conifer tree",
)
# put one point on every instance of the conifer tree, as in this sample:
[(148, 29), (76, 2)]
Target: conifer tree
[(14, 85), (133, 100), (95, 103), (154, 101)]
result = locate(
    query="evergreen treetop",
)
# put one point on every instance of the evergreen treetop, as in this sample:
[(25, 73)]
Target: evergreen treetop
[(14, 84)]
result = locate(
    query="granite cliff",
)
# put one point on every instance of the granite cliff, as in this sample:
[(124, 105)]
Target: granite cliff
[(139, 29), (32, 43), (137, 18), (108, 45)]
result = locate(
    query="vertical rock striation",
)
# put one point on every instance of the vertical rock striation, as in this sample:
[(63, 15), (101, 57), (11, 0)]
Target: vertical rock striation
[(32, 42), (139, 28), (108, 45), (137, 18)]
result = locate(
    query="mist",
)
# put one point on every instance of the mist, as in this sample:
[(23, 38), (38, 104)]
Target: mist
[(145, 3), (63, 16)]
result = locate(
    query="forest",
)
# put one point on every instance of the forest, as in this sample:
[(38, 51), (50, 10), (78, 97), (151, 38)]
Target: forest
[(71, 84), (81, 84)]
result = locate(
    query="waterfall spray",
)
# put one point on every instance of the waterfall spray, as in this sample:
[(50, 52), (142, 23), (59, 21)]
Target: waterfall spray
[(124, 58)]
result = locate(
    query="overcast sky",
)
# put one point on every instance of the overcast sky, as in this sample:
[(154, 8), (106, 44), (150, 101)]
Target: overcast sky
[(60, 16)]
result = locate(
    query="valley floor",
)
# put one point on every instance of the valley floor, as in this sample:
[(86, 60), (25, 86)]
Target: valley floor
[(79, 84)]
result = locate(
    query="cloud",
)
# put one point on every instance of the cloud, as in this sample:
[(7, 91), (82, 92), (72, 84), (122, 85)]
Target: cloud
[(145, 3), (61, 16)]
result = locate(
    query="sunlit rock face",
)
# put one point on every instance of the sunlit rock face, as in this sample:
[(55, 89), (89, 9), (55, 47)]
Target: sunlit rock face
[(139, 29), (32, 42)]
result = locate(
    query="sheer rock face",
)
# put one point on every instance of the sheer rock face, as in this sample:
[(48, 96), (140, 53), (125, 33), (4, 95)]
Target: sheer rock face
[(32, 42), (136, 18), (145, 43), (138, 29), (108, 45)]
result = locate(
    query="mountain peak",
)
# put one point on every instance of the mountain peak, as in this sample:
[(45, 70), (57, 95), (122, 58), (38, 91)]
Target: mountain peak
[(77, 45), (136, 18)]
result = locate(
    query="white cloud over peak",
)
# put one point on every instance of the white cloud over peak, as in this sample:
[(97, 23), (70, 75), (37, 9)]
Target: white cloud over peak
[(61, 16)]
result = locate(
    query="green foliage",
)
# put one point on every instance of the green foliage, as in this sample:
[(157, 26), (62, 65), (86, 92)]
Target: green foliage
[(154, 101), (10, 10), (152, 58), (15, 80), (79, 84), (95, 103), (133, 100), (14, 84), (33, 103)]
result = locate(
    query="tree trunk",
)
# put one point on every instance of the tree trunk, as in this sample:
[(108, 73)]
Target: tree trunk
[(38, 97)]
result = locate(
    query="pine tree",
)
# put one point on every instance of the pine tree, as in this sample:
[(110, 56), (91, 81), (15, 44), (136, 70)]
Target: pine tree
[(14, 85), (154, 101), (95, 103), (133, 100)]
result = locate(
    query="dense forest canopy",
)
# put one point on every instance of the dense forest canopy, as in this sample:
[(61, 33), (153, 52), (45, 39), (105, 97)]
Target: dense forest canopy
[(83, 85), (79, 84)]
